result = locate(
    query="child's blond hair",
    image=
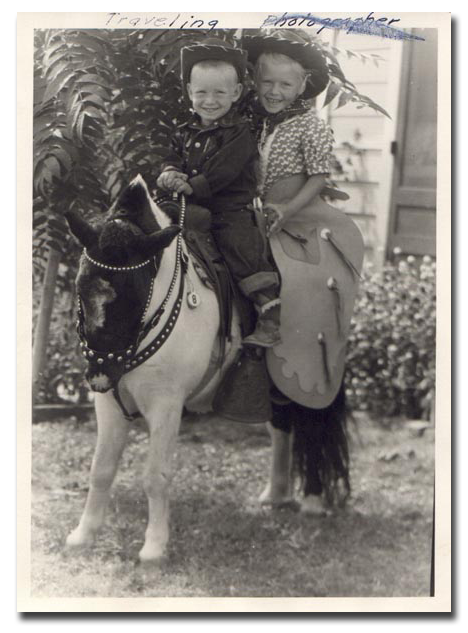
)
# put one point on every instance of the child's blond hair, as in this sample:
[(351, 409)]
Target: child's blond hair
[(219, 65), (279, 58)]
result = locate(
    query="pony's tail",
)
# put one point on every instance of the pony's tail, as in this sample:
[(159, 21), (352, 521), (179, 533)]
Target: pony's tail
[(320, 450)]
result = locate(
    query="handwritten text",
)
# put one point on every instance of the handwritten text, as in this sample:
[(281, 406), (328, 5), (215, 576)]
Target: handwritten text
[(369, 25), (159, 22)]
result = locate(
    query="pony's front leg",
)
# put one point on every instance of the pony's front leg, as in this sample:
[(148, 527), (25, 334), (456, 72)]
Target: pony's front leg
[(163, 421), (111, 439), (280, 487)]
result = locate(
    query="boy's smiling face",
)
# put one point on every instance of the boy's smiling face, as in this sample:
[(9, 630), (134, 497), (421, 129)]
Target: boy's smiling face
[(279, 83), (212, 91)]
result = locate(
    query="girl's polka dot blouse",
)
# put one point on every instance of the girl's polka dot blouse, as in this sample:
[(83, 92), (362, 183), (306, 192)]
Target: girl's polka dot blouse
[(302, 144)]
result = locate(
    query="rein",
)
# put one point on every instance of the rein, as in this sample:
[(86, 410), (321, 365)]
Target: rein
[(124, 360)]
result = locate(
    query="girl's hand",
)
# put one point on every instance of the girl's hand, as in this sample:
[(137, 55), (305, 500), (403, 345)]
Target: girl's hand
[(276, 214)]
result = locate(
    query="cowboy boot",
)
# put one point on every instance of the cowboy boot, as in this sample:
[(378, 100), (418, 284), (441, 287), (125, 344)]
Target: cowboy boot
[(267, 331), (262, 289)]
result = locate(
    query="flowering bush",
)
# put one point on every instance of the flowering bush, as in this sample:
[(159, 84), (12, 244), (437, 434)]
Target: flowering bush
[(391, 356)]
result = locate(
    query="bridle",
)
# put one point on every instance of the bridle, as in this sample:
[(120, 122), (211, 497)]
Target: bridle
[(124, 360)]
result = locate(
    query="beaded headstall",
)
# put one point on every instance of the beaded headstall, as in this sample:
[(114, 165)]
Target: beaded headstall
[(116, 268), (105, 369)]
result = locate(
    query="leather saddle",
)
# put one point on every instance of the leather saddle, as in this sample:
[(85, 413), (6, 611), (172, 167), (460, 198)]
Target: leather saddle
[(319, 256), (244, 392), (211, 268)]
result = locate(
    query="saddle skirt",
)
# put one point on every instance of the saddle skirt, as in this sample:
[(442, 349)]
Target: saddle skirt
[(319, 256)]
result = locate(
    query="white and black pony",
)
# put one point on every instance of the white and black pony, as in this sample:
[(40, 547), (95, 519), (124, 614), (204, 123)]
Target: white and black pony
[(149, 331)]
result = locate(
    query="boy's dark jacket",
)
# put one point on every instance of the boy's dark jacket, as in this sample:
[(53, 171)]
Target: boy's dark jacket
[(219, 161)]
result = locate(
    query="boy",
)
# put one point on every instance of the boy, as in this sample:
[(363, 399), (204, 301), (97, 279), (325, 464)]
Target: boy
[(212, 162)]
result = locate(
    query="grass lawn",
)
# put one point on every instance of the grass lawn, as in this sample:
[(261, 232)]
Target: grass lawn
[(222, 542)]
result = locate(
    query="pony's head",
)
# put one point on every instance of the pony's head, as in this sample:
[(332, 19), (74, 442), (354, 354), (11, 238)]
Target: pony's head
[(120, 259)]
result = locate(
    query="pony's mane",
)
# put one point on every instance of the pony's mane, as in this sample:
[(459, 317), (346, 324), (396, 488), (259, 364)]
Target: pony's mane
[(164, 217)]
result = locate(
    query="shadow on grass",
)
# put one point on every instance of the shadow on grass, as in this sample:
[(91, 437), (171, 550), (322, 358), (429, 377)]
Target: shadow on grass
[(221, 549), (222, 542)]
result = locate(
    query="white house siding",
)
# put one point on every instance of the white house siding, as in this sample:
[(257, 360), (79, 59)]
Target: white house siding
[(368, 176)]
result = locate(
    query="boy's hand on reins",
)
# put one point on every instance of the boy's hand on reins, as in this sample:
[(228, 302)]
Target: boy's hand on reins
[(171, 179), (180, 186)]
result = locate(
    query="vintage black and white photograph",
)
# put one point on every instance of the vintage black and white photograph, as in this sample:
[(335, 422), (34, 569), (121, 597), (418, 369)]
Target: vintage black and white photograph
[(234, 252)]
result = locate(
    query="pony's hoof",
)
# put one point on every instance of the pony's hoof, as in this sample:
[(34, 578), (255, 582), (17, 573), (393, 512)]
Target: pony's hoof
[(275, 498), (314, 506), (151, 556), (78, 540), (149, 564)]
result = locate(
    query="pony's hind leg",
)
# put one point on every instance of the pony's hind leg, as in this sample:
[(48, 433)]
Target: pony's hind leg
[(111, 440), (163, 422), (279, 489)]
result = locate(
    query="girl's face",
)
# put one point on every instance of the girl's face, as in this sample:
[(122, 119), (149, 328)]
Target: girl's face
[(278, 84)]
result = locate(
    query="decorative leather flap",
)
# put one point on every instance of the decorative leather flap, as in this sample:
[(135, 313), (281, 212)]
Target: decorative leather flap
[(319, 285)]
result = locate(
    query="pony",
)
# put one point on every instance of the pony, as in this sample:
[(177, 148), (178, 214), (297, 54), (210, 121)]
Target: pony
[(149, 330)]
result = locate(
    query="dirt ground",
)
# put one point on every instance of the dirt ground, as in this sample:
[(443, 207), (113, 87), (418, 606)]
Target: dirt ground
[(223, 543)]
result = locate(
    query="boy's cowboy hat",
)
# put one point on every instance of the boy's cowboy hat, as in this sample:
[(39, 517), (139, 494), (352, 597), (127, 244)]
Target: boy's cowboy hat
[(297, 47), (212, 49)]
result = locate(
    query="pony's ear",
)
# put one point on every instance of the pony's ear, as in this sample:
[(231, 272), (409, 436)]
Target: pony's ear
[(86, 234), (149, 245), (134, 204), (134, 198)]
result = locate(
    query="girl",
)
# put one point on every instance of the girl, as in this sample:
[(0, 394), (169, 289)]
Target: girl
[(293, 140), (318, 275)]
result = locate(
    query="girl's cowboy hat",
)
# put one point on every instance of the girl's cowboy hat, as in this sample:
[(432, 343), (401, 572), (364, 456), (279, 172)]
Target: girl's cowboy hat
[(298, 48), (212, 49)]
